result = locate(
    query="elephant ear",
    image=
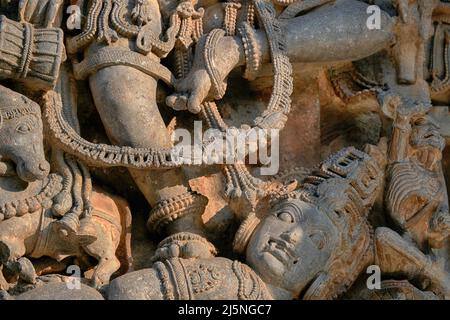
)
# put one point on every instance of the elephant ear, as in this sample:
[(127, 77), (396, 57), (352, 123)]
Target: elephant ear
[(1, 120)]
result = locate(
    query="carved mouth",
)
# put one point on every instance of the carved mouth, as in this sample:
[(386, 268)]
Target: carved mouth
[(7, 168), (281, 250), (28, 175), (431, 137)]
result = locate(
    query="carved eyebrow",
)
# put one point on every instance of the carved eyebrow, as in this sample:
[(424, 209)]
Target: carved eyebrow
[(297, 211)]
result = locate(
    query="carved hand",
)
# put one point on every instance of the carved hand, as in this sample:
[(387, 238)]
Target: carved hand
[(42, 13), (191, 91), (141, 13), (196, 87)]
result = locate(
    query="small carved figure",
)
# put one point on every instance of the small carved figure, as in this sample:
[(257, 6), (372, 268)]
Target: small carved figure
[(416, 197)]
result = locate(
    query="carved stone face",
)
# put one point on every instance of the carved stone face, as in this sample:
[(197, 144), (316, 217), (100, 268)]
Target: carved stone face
[(425, 133), (426, 141), (292, 245)]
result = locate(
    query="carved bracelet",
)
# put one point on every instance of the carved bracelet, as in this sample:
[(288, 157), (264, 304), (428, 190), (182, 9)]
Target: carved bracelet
[(253, 54)]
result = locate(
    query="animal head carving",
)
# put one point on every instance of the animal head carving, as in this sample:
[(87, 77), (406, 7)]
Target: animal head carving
[(21, 137)]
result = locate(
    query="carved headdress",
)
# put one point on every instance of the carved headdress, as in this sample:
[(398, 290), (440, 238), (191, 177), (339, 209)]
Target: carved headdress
[(14, 105), (344, 187)]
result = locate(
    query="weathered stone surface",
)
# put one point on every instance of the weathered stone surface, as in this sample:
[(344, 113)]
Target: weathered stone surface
[(60, 291), (261, 149)]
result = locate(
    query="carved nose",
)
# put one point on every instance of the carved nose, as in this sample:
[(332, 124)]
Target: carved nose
[(291, 237)]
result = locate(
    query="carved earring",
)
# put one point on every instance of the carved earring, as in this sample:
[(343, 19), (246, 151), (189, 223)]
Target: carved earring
[(319, 239), (245, 232), (317, 287)]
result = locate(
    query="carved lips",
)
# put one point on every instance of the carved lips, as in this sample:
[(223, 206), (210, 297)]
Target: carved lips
[(281, 250)]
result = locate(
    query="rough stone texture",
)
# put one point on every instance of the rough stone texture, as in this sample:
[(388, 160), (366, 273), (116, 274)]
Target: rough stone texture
[(60, 291), (90, 178)]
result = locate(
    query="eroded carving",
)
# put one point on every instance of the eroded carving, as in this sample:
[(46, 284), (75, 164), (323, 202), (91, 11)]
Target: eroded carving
[(87, 113)]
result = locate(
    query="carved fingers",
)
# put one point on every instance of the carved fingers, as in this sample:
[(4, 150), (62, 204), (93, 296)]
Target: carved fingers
[(42, 13), (191, 92)]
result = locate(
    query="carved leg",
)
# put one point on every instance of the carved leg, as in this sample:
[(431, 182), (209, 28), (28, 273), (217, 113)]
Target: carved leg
[(13, 261), (105, 268), (126, 101), (103, 249), (336, 32)]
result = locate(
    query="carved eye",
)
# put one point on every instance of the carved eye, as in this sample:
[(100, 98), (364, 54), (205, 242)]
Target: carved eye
[(420, 121), (285, 216), (24, 127)]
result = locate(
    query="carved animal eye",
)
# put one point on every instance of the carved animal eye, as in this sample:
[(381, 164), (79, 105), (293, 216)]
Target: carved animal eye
[(420, 121), (24, 127), (285, 216)]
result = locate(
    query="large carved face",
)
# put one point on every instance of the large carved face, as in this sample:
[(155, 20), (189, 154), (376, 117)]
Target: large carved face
[(292, 245)]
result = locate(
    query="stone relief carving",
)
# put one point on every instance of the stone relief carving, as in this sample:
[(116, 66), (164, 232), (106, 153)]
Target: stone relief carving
[(352, 107)]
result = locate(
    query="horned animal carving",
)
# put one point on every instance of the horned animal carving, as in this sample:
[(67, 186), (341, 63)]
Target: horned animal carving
[(28, 228)]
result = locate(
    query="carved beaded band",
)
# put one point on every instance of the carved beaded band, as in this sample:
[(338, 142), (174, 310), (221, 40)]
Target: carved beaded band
[(253, 54), (231, 11)]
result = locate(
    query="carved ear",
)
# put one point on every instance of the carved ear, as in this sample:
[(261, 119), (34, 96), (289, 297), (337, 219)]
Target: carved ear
[(389, 104), (1, 120), (85, 240)]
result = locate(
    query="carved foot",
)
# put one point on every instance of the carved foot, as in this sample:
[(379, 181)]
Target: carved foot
[(103, 272), (24, 269), (184, 245)]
